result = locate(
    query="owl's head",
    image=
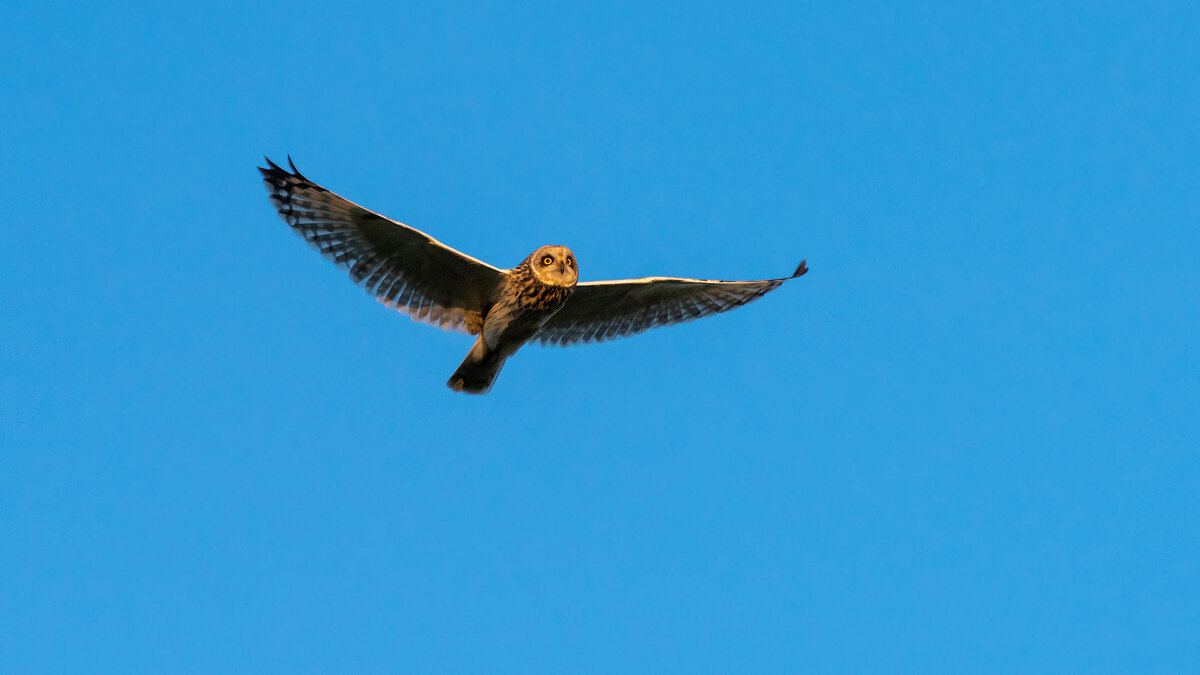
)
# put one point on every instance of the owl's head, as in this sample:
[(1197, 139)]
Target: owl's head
[(554, 266)]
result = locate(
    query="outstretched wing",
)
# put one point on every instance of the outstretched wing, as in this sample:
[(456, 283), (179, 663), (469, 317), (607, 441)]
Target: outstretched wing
[(603, 310), (404, 268)]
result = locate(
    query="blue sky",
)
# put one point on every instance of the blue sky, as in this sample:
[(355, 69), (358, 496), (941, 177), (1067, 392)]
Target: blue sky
[(965, 442)]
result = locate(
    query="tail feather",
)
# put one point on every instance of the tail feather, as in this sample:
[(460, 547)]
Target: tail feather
[(478, 370)]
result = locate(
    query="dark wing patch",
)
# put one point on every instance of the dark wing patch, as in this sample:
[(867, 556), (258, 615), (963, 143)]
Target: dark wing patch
[(404, 268), (604, 310)]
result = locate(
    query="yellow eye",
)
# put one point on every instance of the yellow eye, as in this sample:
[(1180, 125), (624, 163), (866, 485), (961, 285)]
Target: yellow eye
[(570, 262), (547, 260)]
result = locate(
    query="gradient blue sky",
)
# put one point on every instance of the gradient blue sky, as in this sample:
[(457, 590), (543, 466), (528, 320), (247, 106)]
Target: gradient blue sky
[(967, 441)]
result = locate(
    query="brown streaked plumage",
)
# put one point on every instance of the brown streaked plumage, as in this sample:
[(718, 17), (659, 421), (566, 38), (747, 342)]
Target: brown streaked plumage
[(539, 299)]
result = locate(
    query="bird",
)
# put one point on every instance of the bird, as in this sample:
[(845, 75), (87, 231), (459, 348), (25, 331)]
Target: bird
[(540, 300)]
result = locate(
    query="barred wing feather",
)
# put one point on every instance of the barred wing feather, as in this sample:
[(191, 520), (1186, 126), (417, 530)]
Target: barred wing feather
[(604, 310), (404, 268)]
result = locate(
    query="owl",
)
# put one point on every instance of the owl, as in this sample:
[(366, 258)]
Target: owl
[(540, 299)]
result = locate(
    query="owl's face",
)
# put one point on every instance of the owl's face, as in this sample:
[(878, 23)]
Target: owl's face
[(554, 266)]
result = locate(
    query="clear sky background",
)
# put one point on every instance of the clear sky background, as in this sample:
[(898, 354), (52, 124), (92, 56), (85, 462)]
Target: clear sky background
[(967, 441)]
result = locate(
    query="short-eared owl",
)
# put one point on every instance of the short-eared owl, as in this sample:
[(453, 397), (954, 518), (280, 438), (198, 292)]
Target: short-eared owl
[(538, 299)]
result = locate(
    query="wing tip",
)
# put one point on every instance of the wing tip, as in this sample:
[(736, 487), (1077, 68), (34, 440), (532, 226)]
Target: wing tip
[(295, 170), (801, 269), (273, 168)]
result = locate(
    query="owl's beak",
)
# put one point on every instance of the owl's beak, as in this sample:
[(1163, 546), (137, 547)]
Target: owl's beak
[(562, 267)]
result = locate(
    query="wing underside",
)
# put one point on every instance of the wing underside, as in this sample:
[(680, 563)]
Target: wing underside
[(606, 310), (403, 267)]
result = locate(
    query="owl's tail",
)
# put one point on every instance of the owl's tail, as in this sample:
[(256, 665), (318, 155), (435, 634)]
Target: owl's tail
[(478, 371)]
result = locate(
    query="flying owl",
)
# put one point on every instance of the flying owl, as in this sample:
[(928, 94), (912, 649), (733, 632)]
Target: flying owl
[(540, 299)]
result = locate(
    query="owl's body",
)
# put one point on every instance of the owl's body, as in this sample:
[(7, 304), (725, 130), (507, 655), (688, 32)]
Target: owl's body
[(539, 299), (533, 292)]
